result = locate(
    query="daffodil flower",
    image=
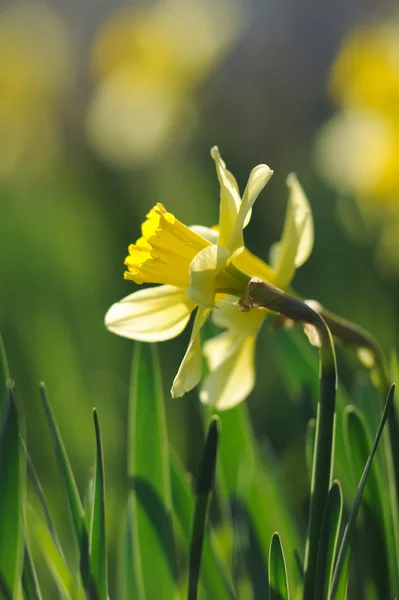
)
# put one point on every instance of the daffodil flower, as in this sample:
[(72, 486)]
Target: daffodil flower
[(193, 272), (230, 355)]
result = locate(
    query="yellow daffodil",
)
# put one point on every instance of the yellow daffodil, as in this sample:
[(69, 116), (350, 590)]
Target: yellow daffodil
[(193, 272), (230, 355)]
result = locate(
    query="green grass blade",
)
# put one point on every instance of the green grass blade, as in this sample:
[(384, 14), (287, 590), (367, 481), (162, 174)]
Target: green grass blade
[(204, 486), (30, 583), (328, 541), (377, 528), (37, 487), (4, 373), (309, 444), (74, 501), (62, 575), (355, 507), (11, 494), (254, 481), (278, 582), (149, 472), (130, 582), (214, 575), (98, 544)]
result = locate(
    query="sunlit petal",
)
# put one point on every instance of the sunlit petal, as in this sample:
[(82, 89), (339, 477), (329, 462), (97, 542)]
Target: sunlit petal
[(190, 369), (232, 376), (204, 269), (258, 178), (230, 199), (151, 315), (212, 235), (227, 315), (297, 240)]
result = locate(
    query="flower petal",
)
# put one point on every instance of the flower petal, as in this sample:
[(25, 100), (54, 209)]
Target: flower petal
[(190, 369), (212, 235), (151, 315), (204, 269), (257, 180), (232, 377), (297, 240), (227, 315), (230, 198)]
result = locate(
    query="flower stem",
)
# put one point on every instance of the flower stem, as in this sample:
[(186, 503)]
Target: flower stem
[(262, 294)]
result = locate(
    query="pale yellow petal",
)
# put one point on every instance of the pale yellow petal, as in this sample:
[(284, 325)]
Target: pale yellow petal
[(151, 315), (204, 269), (297, 240), (227, 315), (212, 235), (233, 378), (190, 370), (258, 178), (253, 266), (230, 199)]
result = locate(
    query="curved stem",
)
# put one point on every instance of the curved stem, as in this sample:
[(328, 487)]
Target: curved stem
[(262, 294)]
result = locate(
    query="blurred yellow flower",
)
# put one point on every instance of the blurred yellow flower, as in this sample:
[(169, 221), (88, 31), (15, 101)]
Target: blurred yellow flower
[(358, 149), (147, 63), (193, 271), (34, 70), (230, 355)]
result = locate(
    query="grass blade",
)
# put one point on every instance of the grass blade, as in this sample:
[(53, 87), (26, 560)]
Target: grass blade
[(30, 584), (309, 445), (98, 544), (149, 472), (355, 507), (4, 373), (278, 583), (11, 494), (74, 501), (204, 486), (214, 575), (60, 571), (328, 541)]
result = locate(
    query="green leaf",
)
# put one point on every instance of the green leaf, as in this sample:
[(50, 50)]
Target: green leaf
[(278, 583), (309, 445), (254, 481), (74, 501), (4, 372), (346, 539), (30, 584), (130, 583), (55, 561), (214, 575), (204, 486), (11, 497), (149, 472), (328, 541), (98, 544), (377, 531)]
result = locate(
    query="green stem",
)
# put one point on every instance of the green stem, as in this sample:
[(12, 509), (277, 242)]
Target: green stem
[(261, 294)]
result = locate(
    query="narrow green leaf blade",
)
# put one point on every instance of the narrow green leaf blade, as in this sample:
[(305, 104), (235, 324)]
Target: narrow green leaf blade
[(214, 575), (40, 535), (74, 501), (278, 582), (149, 472), (328, 541), (344, 546), (30, 583), (11, 494), (98, 544), (4, 373), (204, 486)]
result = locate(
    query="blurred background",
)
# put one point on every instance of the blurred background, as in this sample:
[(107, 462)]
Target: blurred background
[(107, 108)]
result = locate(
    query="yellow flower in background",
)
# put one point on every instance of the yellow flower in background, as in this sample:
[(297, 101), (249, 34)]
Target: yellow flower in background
[(34, 71), (193, 272), (147, 64), (230, 355), (358, 149)]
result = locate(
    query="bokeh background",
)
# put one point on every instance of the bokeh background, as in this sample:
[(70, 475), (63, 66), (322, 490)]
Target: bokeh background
[(108, 107)]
